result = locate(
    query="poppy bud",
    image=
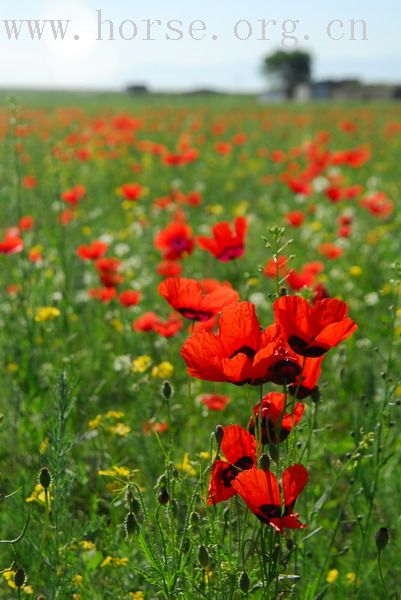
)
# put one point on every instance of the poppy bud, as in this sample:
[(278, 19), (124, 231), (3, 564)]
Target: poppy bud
[(283, 291), (45, 478), (131, 524), (19, 578), (274, 453), (167, 390), (382, 538), (264, 462), (162, 482), (164, 497), (186, 544), (132, 502), (195, 518), (244, 583), (203, 556), (219, 434)]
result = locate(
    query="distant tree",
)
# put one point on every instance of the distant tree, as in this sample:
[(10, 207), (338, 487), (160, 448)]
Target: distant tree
[(292, 68)]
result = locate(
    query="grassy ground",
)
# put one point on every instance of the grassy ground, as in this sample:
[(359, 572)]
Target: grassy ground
[(74, 401)]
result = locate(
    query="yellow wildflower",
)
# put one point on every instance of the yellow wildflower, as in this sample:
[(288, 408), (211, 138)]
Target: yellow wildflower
[(94, 423), (241, 208), (38, 495), (136, 596), (114, 414), (106, 562), (123, 472), (120, 429), (164, 370), (87, 545), (351, 578), (117, 325), (86, 230), (46, 313), (141, 364), (186, 466), (332, 576), (215, 209), (78, 579), (355, 271), (43, 445), (12, 368)]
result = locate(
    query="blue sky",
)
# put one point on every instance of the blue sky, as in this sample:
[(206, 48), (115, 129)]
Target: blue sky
[(225, 62)]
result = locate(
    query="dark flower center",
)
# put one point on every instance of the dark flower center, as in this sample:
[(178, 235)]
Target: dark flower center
[(269, 511), (195, 315), (231, 253), (243, 464), (249, 352), (302, 347)]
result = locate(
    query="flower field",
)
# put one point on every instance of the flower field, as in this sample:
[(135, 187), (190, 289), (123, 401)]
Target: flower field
[(200, 340)]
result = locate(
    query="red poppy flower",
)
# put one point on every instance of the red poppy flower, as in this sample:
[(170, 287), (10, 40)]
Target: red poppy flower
[(306, 277), (214, 401), (26, 223), (277, 266), (312, 330), (379, 205), (109, 264), (330, 250), (67, 216), (105, 294), (261, 492), (93, 251), (11, 244), (169, 268), (295, 218), (129, 298), (197, 300), (29, 182), (74, 195), (169, 328), (319, 293), (306, 383), (151, 426), (239, 448), (274, 422), (226, 244), (146, 322), (175, 241), (131, 191), (240, 352)]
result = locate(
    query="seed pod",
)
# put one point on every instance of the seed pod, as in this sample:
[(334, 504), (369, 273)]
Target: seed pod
[(164, 497), (162, 482), (19, 578), (203, 556), (264, 462), (283, 291), (244, 582), (219, 434), (382, 538), (167, 390), (45, 478), (130, 524)]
